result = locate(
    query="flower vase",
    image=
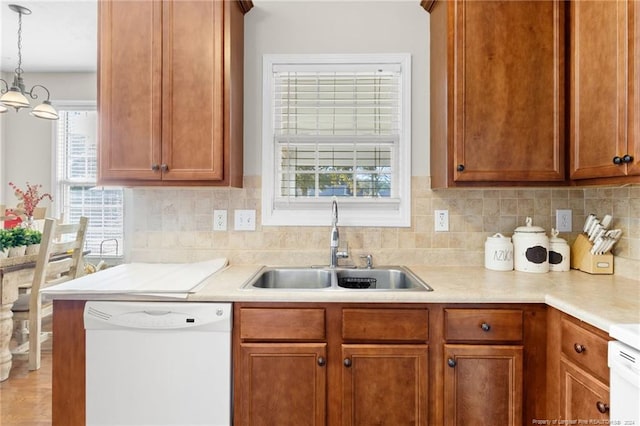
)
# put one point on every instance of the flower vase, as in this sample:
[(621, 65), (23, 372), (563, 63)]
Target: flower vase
[(29, 223)]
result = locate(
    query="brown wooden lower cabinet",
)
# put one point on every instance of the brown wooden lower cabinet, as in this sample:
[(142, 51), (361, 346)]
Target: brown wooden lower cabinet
[(577, 371), (286, 383), (483, 385), (583, 397), (384, 384)]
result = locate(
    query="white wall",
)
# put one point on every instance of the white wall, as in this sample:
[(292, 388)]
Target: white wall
[(394, 26), (26, 142)]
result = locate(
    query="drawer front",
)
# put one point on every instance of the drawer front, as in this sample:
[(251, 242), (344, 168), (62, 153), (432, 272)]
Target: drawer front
[(483, 325), (585, 348), (282, 324), (408, 325)]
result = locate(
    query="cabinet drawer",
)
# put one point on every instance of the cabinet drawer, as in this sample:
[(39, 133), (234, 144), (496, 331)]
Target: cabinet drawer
[(585, 348), (411, 325), (282, 324), (483, 324)]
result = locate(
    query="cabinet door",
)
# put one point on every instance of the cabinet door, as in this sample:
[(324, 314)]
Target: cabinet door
[(582, 396), (599, 87), (384, 384), (483, 385), (129, 94), (507, 104), (281, 384), (193, 90)]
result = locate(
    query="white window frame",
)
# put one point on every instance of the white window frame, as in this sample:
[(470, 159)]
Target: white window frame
[(57, 204), (353, 211)]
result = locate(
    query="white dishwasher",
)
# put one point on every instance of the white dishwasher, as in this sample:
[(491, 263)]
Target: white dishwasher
[(158, 363)]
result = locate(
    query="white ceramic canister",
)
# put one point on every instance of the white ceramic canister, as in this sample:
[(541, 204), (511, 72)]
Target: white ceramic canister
[(530, 248), (559, 253), (498, 253)]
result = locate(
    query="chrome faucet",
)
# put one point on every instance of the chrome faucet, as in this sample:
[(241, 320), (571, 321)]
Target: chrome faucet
[(335, 238)]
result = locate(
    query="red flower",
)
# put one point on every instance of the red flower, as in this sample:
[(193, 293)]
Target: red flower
[(31, 197)]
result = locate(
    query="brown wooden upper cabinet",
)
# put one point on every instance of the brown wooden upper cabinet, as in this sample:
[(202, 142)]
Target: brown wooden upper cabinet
[(170, 92), (497, 92), (605, 89)]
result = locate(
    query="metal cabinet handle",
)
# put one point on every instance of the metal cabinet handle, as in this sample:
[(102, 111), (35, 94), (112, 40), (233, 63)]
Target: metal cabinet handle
[(579, 348), (460, 168), (347, 362), (617, 160), (155, 167), (451, 362), (602, 407), (627, 158), (322, 361), (164, 167), (485, 327)]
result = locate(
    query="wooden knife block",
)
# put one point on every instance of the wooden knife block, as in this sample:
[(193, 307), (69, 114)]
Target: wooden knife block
[(582, 259)]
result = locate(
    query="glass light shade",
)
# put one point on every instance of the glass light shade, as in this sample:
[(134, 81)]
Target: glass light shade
[(14, 98), (45, 110)]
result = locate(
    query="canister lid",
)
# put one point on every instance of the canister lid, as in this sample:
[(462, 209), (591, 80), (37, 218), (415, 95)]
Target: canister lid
[(529, 228), (555, 239), (498, 237)]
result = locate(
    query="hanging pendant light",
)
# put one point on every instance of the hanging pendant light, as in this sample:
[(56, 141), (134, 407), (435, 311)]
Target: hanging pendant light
[(15, 96)]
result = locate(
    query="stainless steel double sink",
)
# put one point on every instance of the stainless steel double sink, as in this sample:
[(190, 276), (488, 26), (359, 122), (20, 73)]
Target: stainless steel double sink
[(389, 278)]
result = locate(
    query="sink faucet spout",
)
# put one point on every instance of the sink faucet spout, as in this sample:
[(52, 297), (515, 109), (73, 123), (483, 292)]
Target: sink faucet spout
[(334, 241)]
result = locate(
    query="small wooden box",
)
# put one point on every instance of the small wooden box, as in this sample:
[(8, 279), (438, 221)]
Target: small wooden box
[(582, 259)]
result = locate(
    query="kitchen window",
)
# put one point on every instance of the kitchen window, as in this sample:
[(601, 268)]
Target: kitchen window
[(336, 126), (76, 175)]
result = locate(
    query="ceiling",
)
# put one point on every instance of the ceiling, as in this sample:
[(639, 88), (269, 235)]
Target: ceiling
[(58, 36)]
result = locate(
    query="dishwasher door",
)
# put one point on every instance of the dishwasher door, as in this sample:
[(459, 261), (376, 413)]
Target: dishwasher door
[(624, 384), (158, 363)]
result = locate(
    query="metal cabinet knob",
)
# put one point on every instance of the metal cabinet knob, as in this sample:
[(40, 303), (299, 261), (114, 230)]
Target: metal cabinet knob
[(451, 362), (155, 167), (485, 327), (164, 167), (460, 168), (627, 158), (579, 348), (347, 362), (602, 407), (322, 361), (617, 160)]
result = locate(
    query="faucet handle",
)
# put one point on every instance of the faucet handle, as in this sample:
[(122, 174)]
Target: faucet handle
[(369, 258)]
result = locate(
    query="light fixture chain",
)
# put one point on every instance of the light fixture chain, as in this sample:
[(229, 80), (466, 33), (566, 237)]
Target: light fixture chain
[(19, 69)]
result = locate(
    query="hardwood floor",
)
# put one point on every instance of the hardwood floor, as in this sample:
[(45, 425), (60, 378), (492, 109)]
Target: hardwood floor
[(25, 397)]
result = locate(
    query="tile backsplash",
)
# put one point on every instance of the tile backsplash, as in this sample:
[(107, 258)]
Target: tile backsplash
[(176, 224)]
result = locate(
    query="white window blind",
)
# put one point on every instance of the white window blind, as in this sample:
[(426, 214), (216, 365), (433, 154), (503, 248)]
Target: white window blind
[(336, 125), (336, 130), (76, 175)]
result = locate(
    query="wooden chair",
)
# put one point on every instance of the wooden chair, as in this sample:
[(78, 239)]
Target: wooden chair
[(56, 239)]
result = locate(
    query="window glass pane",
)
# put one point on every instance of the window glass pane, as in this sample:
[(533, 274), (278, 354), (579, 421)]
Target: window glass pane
[(77, 192)]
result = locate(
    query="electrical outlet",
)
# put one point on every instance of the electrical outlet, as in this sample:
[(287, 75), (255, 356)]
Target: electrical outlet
[(563, 220), (245, 220), (219, 220), (441, 220)]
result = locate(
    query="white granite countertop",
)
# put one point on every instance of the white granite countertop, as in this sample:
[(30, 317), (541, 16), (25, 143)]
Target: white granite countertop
[(600, 300)]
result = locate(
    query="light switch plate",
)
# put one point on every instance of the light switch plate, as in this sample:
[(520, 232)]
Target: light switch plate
[(245, 220)]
